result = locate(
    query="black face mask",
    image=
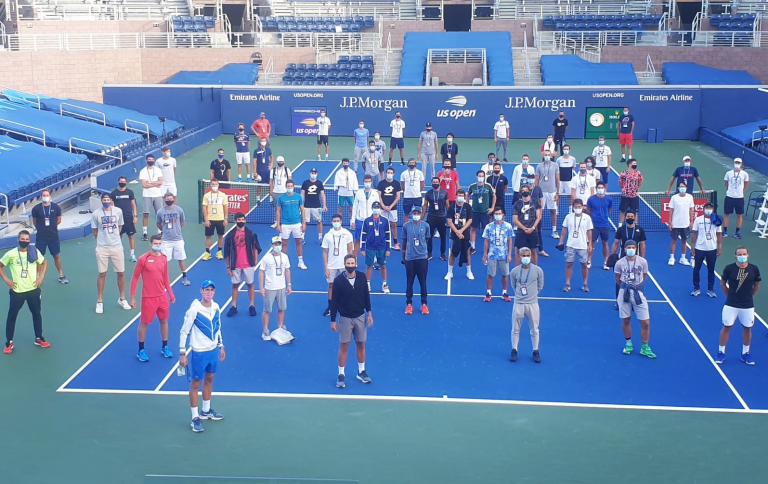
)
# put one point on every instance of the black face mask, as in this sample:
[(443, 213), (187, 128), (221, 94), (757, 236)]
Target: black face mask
[(497, 173), (169, 202), (150, 163), (122, 184), (241, 224), (436, 186), (411, 167), (350, 270), (23, 245), (561, 116), (525, 194), (630, 221), (634, 167), (241, 130)]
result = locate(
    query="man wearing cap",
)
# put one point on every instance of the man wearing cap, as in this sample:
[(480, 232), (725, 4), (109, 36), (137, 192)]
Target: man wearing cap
[(215, 209), (736, 181), (274, 285), (685, 174), (290, 220), (170, 220), (151, 179), (362, 208), (375, 242), (277, 183), (202, 324), (361, 135), (242, 152), (345, 182), (436, 206), (106, 224), (520, 172), (389, 194), (323, 127), (415, 235), (559, 128), (426, 150), (313, 193), (630, 272), (706, 245), (262, 128)]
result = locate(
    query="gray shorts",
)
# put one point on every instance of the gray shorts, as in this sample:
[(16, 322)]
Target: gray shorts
[(681, 233), (333, 274), (626, 308), (315, 214), (571, 254), (273, 295), (152, 203), (500, 266), (350, 326), (240, 275)]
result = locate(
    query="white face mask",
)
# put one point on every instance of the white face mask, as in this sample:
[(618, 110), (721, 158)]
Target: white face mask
[(450, 140), (46, 199), (480, 179), (337, 225), (313, 176), (372, 148), (601, 191), (416, 218), (498, 218), (377, 211), (215, 188), (525, 260), (460, 199), (737, 166), (277, 249), (501, 119), (626, 112), (566, 152), (377, 136), (166, 154), (322, 115), (601, 142), (361, 126), (577, 211), (263, 143), (687, 164)]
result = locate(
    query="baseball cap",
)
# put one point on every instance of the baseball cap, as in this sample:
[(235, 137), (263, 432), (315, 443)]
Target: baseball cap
[(277, 240), (262, 113), (376, 205), (429, 125), (313, 170), (737, 160), (280, 158), (207, 283), (686, 157), (630, 242), (416, 208)]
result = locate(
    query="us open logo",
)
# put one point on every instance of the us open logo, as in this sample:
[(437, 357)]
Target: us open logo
[(458, 101)]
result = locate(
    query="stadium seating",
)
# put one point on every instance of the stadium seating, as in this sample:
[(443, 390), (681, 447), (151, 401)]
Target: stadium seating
[(354, 70), (232, 74), (733, 22), (572, 70), (679, 73), (317, 24), (189, 24), (600, 22)]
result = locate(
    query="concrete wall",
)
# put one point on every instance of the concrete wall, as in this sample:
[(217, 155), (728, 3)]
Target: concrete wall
[(456, 73), (518, 28), (86, 27)]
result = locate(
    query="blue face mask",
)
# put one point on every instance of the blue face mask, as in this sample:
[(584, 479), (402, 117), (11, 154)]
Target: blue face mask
[(630, 252), (313, 176), (157, 248), (525, 260), (480, 179), (390, 176), (707, 212), (289, 191), (741, 259), (367, 184)]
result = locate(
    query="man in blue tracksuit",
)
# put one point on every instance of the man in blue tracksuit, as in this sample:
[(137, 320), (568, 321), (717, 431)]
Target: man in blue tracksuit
[(374, 246)]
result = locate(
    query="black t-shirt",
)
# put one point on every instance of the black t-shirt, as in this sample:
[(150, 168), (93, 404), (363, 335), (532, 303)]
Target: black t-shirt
[(123, 201), (740, 284), (560, 125), (220, 169), (436, 199), (625, 233), (460, 216), (388, 191), (498, 183), (52, 213), (312, 191), (521, 209)]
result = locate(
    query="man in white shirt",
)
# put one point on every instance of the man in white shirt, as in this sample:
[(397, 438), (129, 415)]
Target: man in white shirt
[(488, 167), (151, 179), (565, 165), (582, 185), (277, 181), (345, 182), (519, 174), (501, 135), (274, 285), (362, 208), (323, 126), (706, 245), (337, 243), (736, 181), (396, 141), (602, 155), (577, 232), (167, 165), (412, 181), (680, 223), (593, 172)]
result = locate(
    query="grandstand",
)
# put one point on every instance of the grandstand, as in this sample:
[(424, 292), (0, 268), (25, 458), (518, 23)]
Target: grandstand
[(93, 10)]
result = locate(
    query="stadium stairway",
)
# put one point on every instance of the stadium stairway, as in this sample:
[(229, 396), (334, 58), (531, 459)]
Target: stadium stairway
[(409, 10), (518, 67), (393, 61), (507, 9), (751, 6)]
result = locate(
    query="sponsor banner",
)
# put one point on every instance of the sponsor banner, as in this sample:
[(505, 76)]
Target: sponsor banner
[(237, 200), (698, 208), (304, 121)]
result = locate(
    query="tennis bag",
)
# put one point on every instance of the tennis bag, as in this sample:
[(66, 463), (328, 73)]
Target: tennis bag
[(282, 336), (612, 260)]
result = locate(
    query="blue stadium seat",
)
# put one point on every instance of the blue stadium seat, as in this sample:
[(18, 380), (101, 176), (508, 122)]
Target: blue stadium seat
[(343, 58), (368, 58), (368, 21), (724, 25), (319, 83), (332, 75), (344, 66), (636, 25), (366, 65), (365, 82), (296, 83), (321, 75), (355, 66), (353, 82), (354, 76), (309, 75), (301, 67), (560, 26), (366, 75), (308, 83), (312, 67), (590, 18), (580, 18), (569, 18), (570, 26), (549, 21), (330, 82), (342, 83), (343, 76), (355, 28), (288, 76), (322, 67), (355, 58)]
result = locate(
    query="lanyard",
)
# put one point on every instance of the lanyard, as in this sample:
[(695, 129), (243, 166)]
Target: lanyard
[(498, 179), (150, 170), (21, 263), (584, 184), (377, 224), (527, 275), (578, 228), (499, 230), (705, 225), (47, 215), (626, 232), (336, 243), (632, 267), (279, 266)]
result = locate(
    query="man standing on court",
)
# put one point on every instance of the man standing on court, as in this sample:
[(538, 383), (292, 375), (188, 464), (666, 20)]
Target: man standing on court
[(426, 150), (449, 151), (497, 252), (397, 138), (274, 285), (680, 223), (345, 182), (202, 323), (602, 155), (215, 216), (389, 194), (373, 163), (629, 231), (436, 206), (25, 287), (374, 246), (46, 217), (736, 181), (630, 272), (706, 245), (483, 200), (167, 166), (499, 183), (630, 182), (685, 174), (548, 179), (125, 200), (243, 153), (351, 300), (262, 128), (740, 282), (412, 182), (170, 221), (152, 268), (527, 281), (625, 128), (313, 194), (582, 185), (290, 220), (459, 218), (337, 244), (241, 253), (501, 135), (565, 165), (577, 232), (559, 127), (526, 216), (151, 179), (519, 175), (361, 135), (415, 235), (262, 162), (449, 181), (220, 168), (599, 209), (323, 128), (278, 180), (362, 208), (106, 224)]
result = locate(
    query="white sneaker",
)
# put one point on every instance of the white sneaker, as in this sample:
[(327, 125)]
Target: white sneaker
[(302, 265), (273, 226), (671, 261), (385, 289), (470, 276), (266, 336), (124, 304), (449, 276), (589, 265), (555, 235), (437, 235), (684, 261), (369, 286), (99, 308)]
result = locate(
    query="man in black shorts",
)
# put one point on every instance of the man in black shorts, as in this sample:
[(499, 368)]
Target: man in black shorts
[(46, 217), (125, 200), (526, 216), (459, 221), (629, 231)]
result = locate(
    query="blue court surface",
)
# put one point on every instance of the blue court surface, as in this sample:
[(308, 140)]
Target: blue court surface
[(459, 352)]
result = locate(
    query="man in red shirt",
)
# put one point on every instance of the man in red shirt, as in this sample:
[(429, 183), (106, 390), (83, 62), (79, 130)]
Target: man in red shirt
[(449, 180), (241, 253), (261, 127), (152, 267)]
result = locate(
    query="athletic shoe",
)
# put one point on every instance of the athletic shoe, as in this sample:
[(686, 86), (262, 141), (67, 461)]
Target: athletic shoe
[(402, 163), (144, 237), (628, 348), (409, 309), (273, 226), (711, 294), (166, 352), (99, 308), (396, 247), (684, 261), (449, 276), (8, 348), (302, 265), (340, 383), (197, 425), (142, 356), (470, 276), (385, 289), (251, 311), (720, 358), (185, 281), (645, 350), (605, 267), (41, 342), (232, 311), (589, 265), (124, 304), (429, 256), (487, 298), (616, 307), (738, 234), (219, 255), (206, 256), (239, 178), (327, 312), (536, 357), (443, 258), (424, 309), (211, 414), (505, 160), (555, 235), (584, 288), (133, 258), (513, 356), (266, 336), (64, 280), (248, 179), (363, 377), (747, 358), (506, 297), (696, 293), (671, 261), (326, 157), (725, 233)]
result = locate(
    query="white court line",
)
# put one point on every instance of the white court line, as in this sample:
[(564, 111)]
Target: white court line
[(333, 172), (254, 478), (445, 399)]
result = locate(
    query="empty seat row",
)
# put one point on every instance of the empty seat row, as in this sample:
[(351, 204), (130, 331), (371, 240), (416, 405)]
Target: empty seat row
[(715, 19), (343, 65), (322, 76), (651, 19), (327, 83), (317, 24), (186, 22), (737, 25), (599, 26)]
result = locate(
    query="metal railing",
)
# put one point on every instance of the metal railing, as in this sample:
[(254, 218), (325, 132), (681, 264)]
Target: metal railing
[(5, 129), (649, 65), (102, 120), (599, 8), (7, 207), (105, 152), (527, 60), (600, 39), (129, 128), (75, 12)]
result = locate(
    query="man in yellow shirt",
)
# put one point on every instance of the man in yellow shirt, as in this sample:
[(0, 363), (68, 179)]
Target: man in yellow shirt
[(25, 287), (215, 213)]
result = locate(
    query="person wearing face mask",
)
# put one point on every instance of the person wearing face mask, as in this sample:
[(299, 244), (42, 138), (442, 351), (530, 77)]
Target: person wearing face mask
[(375, 242), (396, 140), (526, 216), (527, 281), (361, 135), (263, 162), (566, 164), (215, 210), (24, 285), (559, 127), (629, 231), (337, 244), (351, 300), (706, 245), (686, 174), (602, 156), (740, 282), (381, 148), (548, 179), (290, 220), (242, 153), (449, 181), (202, 324), (459, 221), (220, 168), (170, 220), (274, 286), (46, 217), (152, 268), (549, 145), (499, 183), (519, 175), (593, 172), (488, 167), (630, 182), (125, 200), (373, 163), (389, 194), (167, 165), (106, 223), (323, 127), (538, 195), (599, 208), (345, 183), (151, 179), (363, 208), (497, 252), (412, 183), (415, 235), (630, 272), (241, 253), (313, 194), (436, 206), (582, 185), (262, 128), (501, 135), (449, 152), (736, 182), (278, 183), (483, 201), (426, 150), (577, 234), (680, 222), (624, 128)]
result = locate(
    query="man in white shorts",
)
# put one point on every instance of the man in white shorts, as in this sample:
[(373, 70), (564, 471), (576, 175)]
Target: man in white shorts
[(241, 252), (566, 164), (243, 153), (313, 194), (106, 223), (274, 285), (167, 165), (548, 179), (740, 282), (290, 220), (151, 179), (170, 220), (337, 243), (602, 155), (389, 193), (577, 232), (630, 272), (323, 127)]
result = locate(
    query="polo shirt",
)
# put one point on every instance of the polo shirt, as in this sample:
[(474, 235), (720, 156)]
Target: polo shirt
[(415, 237), (480, 197)]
